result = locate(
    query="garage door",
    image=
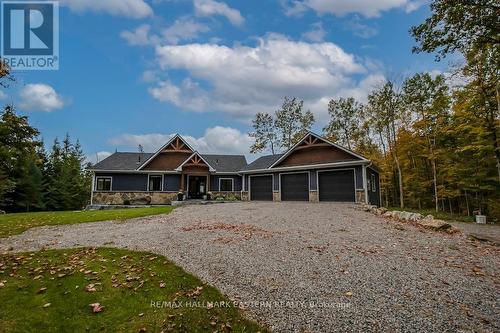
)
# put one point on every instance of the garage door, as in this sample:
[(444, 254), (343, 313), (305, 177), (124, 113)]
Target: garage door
[(261, 188), (336, 186), (295, 187)]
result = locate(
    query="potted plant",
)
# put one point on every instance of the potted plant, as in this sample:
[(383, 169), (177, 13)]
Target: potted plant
[(180, 196), (209, 195)]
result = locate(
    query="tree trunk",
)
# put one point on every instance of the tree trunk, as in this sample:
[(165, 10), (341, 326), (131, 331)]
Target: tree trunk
[(434, 176), (467, 203)]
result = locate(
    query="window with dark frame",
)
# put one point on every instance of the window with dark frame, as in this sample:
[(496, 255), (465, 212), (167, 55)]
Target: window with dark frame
[(155, 183), (103, 184), (226, 185), (374, 184)]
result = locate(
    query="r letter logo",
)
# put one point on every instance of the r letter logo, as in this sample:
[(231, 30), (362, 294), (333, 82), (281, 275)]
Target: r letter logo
[(30, 35)]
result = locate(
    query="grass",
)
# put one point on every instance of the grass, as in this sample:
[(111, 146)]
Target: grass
[(437, 215), (13, 224), (50, 291)]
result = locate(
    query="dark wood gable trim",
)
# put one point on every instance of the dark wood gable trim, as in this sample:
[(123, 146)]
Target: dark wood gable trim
[(176, 148), (313, 149), (177, 145), (195, 160)]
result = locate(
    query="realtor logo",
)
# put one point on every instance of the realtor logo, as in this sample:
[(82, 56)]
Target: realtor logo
[(30, 35)]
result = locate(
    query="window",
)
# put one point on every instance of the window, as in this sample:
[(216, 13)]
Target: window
[(374, 184), (155, 183), (103, 183), (226, 185)]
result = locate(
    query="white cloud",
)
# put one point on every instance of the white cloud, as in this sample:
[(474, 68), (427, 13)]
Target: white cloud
[(212, 7), (139, 36), (40, 97), (182, 29), (129, 8), (316, 34), (360, 29), (97, 157), (242, 80), (218, 139), (367, 8), (3, 95)]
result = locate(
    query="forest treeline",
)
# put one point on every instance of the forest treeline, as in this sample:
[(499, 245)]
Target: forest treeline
[(33, 179), (435, 138)]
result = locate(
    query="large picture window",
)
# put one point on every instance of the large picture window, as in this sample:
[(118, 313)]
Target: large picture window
[(155, 183), (226, 185), (103, 183)]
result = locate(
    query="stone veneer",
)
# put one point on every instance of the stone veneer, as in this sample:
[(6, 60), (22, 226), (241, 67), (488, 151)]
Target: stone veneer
[(360, 196), (313, 196), (276, 196), (227, 195), (134, 198)]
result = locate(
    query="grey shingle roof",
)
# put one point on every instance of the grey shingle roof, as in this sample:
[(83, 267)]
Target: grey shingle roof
[(226, 163), (130, 161), (263, 162), (122, 161)]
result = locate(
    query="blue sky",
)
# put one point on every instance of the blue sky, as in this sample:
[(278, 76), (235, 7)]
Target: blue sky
[(136, 71)]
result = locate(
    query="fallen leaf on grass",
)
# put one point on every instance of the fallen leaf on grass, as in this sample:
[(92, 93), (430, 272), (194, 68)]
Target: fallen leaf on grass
[(96, 307), (41, 290), (46, 305), (90, 288)]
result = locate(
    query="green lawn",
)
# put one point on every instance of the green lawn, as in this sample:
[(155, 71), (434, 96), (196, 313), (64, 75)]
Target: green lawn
[(437, 215), (12, 224), (51, 291)]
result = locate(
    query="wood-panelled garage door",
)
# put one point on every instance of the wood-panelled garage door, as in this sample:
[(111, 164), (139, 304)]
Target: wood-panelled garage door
[(336, 186), (261, 188), (295, 187)]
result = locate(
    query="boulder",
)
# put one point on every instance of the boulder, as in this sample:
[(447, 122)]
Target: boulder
[(382, 210), (388, 214), (429, 218), (436, 225), (415, 217)]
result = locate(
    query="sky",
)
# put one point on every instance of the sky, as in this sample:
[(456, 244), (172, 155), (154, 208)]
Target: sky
[(137, 71)]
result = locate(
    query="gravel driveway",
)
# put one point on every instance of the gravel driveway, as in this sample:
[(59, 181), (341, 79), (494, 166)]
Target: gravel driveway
[(307, 267)]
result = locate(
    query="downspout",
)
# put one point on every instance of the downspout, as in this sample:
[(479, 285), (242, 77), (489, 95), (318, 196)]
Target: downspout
[(92, 189), (365, 183)]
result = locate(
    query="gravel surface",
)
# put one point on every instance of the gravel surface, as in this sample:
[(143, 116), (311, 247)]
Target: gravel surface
[(305, 267)]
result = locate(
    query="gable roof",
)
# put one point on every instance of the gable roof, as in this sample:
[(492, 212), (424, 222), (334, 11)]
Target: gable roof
[(226, 163), (263, 162), (122, 161), (291, 149), (177, 136), (210, 168)]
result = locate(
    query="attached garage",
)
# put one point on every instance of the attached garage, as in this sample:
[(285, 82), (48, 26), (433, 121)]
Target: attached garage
[(337, 185), (295, 186), (261, 188)]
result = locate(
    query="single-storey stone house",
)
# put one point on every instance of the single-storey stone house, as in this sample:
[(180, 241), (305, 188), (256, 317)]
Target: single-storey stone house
[(314, 169)]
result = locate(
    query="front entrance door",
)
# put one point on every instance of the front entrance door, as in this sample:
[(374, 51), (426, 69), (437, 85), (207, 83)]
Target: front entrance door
[(197, 187)]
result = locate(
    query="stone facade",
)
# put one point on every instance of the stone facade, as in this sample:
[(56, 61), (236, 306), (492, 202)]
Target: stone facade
[(226, 196), (133, 198), (360, 196), (276, 196), (313, 196)]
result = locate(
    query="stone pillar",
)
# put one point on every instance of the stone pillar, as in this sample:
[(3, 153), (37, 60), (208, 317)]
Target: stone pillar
[(360, 196), (313, 196), (276, 196), (244, 196)]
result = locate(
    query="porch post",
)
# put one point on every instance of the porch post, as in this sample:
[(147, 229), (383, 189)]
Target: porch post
[(182, 182)]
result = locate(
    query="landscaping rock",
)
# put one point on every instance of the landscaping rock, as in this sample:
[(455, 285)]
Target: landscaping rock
[(2, 212), (436, 225)]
